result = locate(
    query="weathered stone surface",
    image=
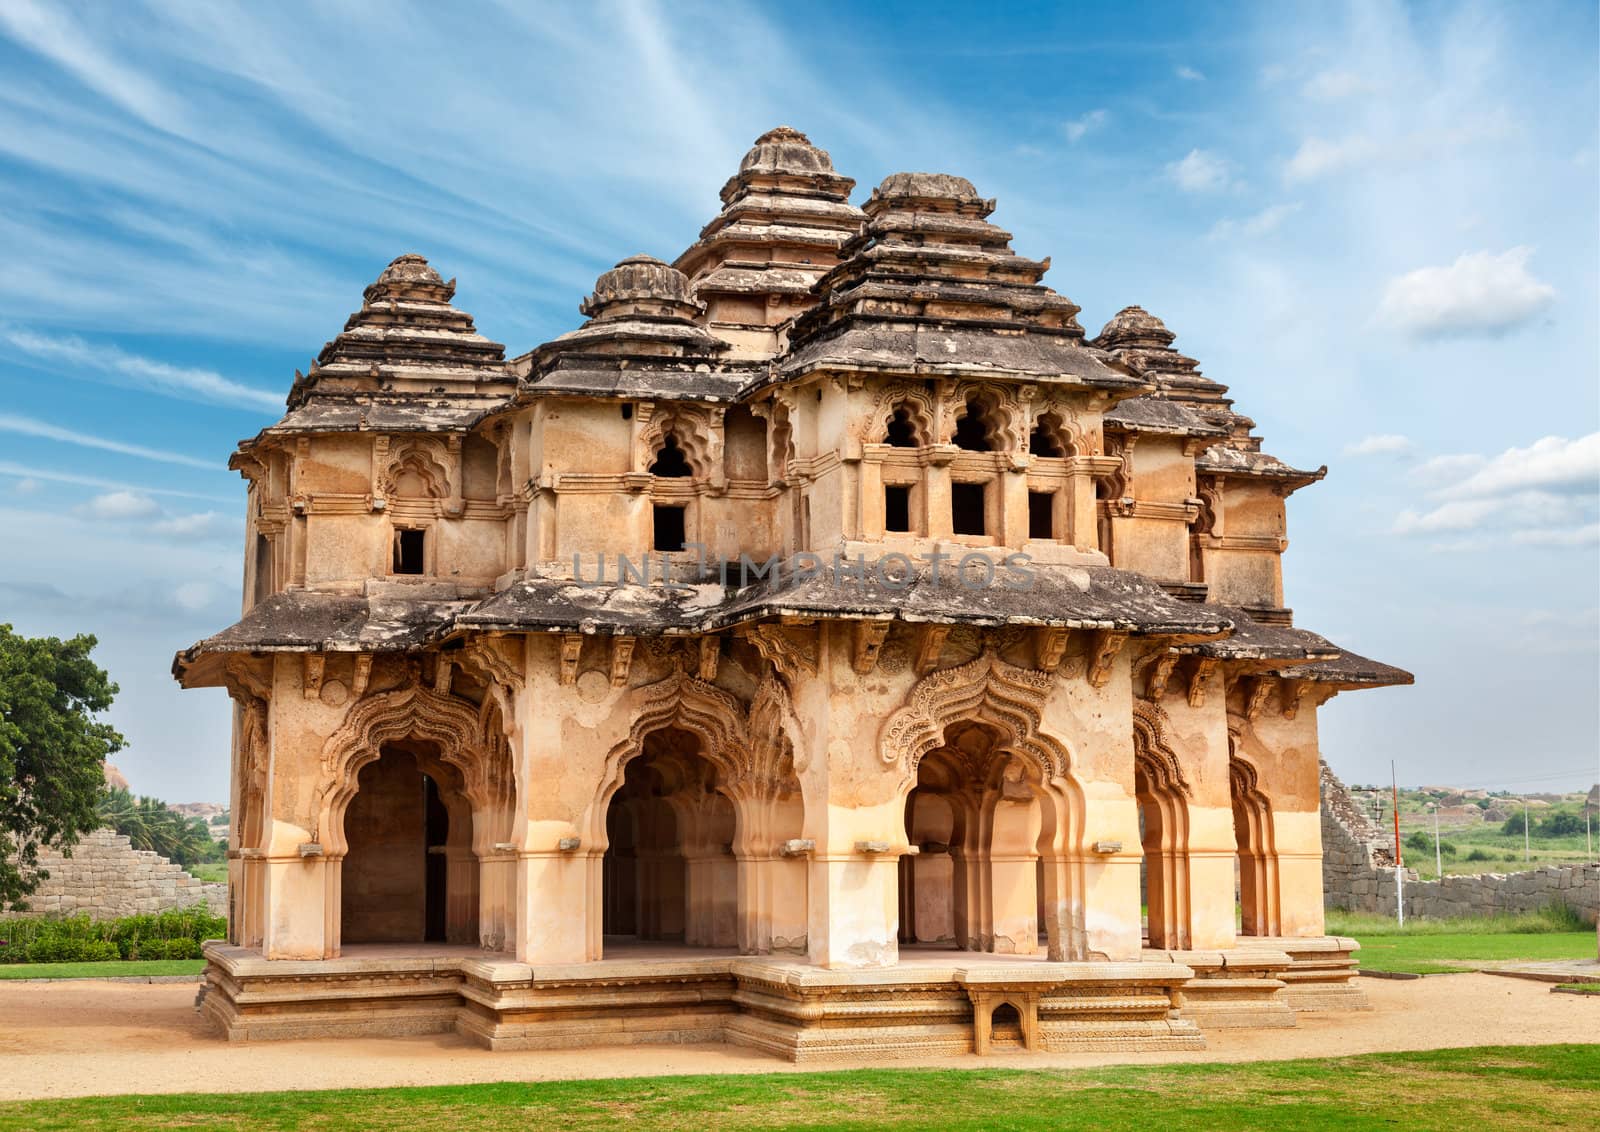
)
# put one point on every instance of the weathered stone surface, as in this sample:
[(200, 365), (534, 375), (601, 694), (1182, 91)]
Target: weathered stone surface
[(107, 878)]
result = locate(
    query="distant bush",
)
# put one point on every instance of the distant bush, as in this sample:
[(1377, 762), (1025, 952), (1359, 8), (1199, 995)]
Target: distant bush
[(176, 934), (1480, 855)]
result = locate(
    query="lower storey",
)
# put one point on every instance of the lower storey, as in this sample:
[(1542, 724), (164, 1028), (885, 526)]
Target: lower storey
[(931, 1002)]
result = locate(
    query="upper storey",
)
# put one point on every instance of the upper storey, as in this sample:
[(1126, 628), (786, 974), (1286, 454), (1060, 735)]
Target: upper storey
[(784, 217), (929, 286)]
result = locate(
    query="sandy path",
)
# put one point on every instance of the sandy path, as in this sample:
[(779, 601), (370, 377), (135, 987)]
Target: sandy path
[(82, 1038)]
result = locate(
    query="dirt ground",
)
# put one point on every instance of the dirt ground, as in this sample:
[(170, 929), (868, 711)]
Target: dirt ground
[(80, 1038)]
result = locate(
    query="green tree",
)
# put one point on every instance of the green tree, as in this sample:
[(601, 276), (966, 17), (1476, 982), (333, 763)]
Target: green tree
[(148, 824), (51, 752)]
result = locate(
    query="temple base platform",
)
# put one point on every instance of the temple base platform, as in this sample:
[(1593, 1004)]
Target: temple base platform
[(930, 1003)]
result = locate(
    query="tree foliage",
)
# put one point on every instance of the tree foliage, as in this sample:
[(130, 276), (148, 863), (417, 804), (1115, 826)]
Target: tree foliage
[(52, 748), (148, 824)]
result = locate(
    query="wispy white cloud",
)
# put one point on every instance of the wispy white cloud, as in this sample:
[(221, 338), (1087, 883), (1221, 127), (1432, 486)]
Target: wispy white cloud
[(27, 426), (1083, 124), (1546, 494), (1269, 219), (1333, 85), (120, 505), (1189, 74), (1386, 443), (1200, 171), (52, 32), (1320, 157), (146, 373), (198, 525), (24, 472), (1481, 294), (26, 486), (1553, 463)]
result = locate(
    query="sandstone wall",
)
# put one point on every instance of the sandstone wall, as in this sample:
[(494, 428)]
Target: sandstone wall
[(1358, 874), (108, 878)]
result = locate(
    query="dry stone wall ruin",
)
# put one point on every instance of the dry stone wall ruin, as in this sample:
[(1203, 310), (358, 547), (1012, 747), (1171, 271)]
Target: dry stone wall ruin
[(107, 878), (1358, 874)]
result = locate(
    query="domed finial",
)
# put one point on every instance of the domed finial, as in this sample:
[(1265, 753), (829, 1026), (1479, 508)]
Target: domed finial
[(409, 277), (785, 150), (934, 191), (409, 268), (783, 134), (640, 284), (1135, 327)]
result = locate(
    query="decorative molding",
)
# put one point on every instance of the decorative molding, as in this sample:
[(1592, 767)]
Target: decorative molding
[(930, 646), (313, 666), (867, 639), (571, 651), (1290, 693), (1256, 696), (1200, 670), (710, 657), (1159, 675), (791, 649), (986, 690), (1103, 656), (621, 660), (363, 674), (1153, 749), (1052, 647)]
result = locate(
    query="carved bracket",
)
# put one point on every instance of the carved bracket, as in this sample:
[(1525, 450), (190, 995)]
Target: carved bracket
[(1052, 646), (1155, 684), (710, 657), (571, 650), (1200, 670), (621, 660), (930, 646), (868, 642), (311, 683), (1102, 657), (1256, 696), (1290, 693)]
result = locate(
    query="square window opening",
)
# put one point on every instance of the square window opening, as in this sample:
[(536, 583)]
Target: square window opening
[(896, 508), (408, 551), (1041, 514), (670, 532), (966, 509)]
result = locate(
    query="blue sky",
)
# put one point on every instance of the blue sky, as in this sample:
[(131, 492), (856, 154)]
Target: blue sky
[(1376, 223)]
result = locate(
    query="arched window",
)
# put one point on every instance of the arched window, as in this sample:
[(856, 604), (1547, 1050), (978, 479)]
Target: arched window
[(1049, 438), (670, 460), (973, 430), (902, 431)]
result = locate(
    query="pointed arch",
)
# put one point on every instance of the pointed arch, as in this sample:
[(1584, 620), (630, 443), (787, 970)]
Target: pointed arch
[(1009, 702), (1259, 898), (1162, 793), (413, 712)]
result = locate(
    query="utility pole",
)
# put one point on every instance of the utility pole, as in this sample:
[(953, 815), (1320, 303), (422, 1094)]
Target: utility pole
[(1527, 854), (1399, 864), (1438, 853)]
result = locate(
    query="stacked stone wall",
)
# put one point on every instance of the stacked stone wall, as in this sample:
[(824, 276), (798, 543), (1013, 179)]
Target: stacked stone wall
[(1358, 874), (106, 877)]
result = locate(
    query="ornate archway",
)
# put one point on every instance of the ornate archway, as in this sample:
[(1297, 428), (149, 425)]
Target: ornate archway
[(1259, 902), (1163, 794), (1028, 794)]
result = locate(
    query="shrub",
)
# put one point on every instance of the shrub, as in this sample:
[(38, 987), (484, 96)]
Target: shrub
[(175, 934), (1480, 855)]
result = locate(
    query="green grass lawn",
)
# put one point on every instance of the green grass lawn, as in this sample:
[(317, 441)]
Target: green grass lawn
[(117, 967), (1506, 1088), (1437, 953), (1432, 947), (215, 872)]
